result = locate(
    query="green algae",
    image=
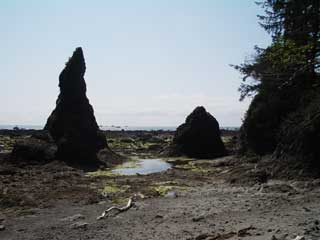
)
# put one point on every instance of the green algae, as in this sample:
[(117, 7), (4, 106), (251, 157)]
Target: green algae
[(108, 172), (194, 166), (8, 142), (120, 200), (179, 160), (226, 139), (202, 166), (162, 188), (115, 188), (111, 189), (102, 173), (133, 163)]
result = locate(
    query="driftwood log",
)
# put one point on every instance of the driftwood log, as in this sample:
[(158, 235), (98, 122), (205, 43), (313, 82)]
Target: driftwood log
[(123, 209)]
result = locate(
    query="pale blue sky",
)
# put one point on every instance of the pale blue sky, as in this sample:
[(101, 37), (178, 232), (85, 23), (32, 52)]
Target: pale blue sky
[(149, 63)]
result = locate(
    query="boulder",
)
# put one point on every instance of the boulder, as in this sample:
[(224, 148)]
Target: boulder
[(39, 148), (72, 123), (198, 137), (109, 158)]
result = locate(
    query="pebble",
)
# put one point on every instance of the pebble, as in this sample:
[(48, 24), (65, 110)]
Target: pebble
[(73, 218), (281, 237), (299, 238), (198, 218), (306, 209), (79, 225), (171, 195), (2, 227)]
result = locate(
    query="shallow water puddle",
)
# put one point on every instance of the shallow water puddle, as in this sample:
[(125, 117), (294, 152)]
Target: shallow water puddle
[(143, 166)]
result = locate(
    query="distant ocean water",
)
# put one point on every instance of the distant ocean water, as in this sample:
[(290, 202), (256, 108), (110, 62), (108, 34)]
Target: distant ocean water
[(113, 127)]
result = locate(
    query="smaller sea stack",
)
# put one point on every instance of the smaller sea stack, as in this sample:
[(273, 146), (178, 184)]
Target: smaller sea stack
[(198, 137)]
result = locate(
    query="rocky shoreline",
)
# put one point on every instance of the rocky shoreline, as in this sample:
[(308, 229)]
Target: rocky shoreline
[(225, 198)]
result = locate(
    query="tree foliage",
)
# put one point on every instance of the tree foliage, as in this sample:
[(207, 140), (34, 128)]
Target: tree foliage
[(281, 76), (295, 49)]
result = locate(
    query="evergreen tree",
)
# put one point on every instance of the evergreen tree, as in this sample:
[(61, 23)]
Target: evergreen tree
[(280, 76)]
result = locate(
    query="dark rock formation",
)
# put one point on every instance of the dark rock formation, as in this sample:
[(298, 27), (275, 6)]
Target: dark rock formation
[(109, 158), (299, 137), (72, 123), (198, 137), (39, 148), (260, 129)]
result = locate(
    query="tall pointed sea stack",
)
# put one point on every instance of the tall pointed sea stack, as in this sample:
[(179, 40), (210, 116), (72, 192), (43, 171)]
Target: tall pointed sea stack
[(72, 123)]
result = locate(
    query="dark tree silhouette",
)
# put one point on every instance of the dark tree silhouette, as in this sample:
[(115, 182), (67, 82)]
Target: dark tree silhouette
[(284, 80)]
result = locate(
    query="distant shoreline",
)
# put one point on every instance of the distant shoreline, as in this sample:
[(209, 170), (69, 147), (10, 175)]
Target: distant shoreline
[(113, 128)]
